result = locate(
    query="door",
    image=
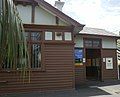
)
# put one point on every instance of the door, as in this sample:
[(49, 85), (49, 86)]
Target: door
[(93, 64)]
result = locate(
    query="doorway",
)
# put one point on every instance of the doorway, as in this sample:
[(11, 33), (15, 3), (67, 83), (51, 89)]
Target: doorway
[(93, 64)]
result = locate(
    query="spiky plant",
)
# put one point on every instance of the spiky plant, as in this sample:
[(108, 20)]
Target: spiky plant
[(13, 46)]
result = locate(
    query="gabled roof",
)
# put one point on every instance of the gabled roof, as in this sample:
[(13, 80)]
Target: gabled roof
[(77, 26), (97, 31)]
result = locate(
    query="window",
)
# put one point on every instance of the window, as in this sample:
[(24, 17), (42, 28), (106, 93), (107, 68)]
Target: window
[(36, 56), (35, 36), (94, 43), (58, 35), (35, 49), (48, 35), (68, 36), (34, 44), (88, 43)]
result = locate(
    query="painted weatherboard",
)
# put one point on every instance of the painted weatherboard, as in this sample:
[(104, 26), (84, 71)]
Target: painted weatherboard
[(25, 13), (109, 43), (58, 74), (109, 73), (44, 17), (79, 41)]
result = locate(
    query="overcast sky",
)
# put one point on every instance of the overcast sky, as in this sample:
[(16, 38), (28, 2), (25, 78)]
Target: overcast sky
[(103, 14)]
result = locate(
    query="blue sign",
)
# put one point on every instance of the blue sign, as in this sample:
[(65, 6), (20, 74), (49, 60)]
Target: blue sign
[(78, 54)]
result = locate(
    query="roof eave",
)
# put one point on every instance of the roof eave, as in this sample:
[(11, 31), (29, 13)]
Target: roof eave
[(77, 29), (118, 37), (77, 26)]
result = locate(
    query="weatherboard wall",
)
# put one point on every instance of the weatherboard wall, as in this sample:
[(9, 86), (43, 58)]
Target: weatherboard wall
[(58, 73), (58, 57), (109, 74)]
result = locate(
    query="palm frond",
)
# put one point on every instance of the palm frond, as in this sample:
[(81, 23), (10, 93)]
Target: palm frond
[(13, 45)]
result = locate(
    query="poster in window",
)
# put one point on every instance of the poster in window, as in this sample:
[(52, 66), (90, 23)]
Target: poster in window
[(109, 63)]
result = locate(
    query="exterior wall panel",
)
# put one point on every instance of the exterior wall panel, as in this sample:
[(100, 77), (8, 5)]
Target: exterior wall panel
[(79, 41), (45, 18), (109, 43), (80, 75), (109, 73), (25, 13), (58, 74)]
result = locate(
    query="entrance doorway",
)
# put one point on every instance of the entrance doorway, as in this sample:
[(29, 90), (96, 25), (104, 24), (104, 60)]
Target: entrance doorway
[(93, 64)]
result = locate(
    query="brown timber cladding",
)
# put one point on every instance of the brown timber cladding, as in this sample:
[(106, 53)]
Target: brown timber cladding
[(111, 73), (58, 74), (80, 75)]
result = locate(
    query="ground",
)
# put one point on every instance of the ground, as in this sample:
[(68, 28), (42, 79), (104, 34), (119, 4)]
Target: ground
[(91, 89)]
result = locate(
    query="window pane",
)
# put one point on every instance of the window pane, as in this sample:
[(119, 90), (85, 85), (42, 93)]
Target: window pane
[(58, 35), (48, 35), (35, 36), (36, 56), (88, 43), (27, 35), (68, 36), (96, 43)]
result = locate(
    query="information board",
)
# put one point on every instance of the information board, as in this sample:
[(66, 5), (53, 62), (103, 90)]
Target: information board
[(78, 54), (109, 63)]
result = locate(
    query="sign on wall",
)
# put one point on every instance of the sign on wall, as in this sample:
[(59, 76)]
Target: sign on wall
[(109, 63), (78, 54), (78, 57)]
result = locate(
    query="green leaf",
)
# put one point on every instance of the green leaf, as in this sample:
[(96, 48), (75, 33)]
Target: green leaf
[(11, 35)]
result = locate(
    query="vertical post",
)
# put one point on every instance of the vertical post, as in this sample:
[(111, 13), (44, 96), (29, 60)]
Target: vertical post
[(118, 69), (33, 13)]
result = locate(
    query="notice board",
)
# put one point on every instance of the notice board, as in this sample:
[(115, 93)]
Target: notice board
[(109, 63)]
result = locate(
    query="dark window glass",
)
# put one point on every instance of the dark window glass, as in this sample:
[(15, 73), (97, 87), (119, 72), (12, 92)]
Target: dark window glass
[(92, 43), (96, 43), (35, 36), (36, 56), (34, 48), (88, 43)]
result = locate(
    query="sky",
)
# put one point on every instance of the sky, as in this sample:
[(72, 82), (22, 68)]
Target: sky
[(104, 14)]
